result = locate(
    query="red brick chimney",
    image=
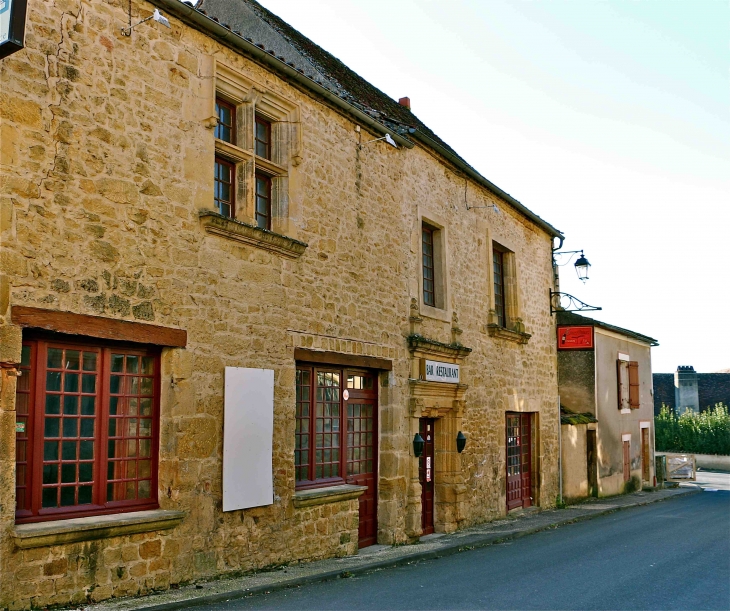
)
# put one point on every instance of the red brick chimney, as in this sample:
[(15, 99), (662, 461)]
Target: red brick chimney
[(405, 102)]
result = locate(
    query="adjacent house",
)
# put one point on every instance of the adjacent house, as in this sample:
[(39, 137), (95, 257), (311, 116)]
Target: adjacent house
[(607, 412), (687, 389), (237, 281)]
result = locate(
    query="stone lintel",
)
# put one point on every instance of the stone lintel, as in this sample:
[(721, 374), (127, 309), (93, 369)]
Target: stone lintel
[(58, 532), (503, 333), (217, 224), (423, 346), (422, 388), (330, 494)]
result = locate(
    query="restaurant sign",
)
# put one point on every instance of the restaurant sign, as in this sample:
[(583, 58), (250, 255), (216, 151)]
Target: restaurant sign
[(435, 371), (575, 337), (12, 26)]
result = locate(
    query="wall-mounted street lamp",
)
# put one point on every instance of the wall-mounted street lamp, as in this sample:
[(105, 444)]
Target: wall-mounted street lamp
[(460, 442), (157, 16), (418, 444), (581, 264)]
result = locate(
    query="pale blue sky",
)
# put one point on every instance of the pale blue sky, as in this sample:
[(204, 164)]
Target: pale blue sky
[(610, 119)]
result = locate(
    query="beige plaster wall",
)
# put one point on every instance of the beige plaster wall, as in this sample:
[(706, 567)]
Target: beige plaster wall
[(106, 159), (574, 456)]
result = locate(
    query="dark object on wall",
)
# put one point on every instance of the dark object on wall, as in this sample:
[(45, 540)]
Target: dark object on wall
[(418, 444), (460, 442), (12, 26)]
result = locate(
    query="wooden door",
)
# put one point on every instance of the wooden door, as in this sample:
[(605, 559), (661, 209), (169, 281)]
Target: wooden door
[(627, 461), (645, 456), (519, 460), (361, 407), (592, 463), (426, 474)]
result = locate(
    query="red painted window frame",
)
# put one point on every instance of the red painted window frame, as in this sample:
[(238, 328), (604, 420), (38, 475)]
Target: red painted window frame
[(220, 103), (344, 457), (32, 510), (262, 147)]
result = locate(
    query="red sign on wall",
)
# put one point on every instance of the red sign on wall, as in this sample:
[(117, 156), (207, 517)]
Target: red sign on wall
[(575, 338)]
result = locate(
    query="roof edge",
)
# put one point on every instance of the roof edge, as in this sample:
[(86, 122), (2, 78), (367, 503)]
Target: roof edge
[(490, 186), (191, 16), (604, 325)]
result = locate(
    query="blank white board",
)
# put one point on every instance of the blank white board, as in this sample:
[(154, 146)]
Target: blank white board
[(248, 430)]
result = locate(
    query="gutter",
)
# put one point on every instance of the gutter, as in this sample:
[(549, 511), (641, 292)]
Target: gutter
[(490, 186), (189, 15)]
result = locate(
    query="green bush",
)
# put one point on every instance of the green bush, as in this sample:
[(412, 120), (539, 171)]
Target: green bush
[(706, 432)]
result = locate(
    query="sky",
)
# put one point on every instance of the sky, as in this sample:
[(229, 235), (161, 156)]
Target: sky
[(609, 119)]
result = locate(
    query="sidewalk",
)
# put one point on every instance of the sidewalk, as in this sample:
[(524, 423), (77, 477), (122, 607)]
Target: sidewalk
[(384, 556)]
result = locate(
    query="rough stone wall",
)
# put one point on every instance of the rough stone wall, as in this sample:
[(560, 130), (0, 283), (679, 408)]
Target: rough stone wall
[(105, 160)]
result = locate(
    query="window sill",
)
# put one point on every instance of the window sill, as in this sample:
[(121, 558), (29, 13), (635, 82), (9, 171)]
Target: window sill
[(58, 532), (435, 313), (332, 494), (508, 334), (217, 224)]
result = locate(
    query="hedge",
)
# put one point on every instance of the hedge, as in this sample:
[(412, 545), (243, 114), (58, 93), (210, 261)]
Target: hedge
[(706, 432)]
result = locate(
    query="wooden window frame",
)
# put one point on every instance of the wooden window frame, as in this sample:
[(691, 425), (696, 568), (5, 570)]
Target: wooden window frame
[(344, 457), (428, 264), (499, 286), (221, 103), (263, 148), (222, 161), (628, 385), (263, 221), (34, 437)]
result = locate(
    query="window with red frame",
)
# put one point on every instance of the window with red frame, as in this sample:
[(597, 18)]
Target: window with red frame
[(87, 430)]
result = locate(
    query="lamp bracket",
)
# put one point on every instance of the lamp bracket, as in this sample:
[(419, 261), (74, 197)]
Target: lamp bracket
[(563, 302), (565, 252)]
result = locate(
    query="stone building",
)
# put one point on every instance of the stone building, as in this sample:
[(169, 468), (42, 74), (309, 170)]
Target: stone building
[(605, 383), (687, 389), (228, 305)]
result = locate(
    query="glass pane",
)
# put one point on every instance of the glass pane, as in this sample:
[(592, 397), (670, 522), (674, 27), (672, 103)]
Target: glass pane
[(132, 364), (131, 492), (131, 427), (53, 404), (25, 356), (87, 427), (86, 471), (134, 388), (131, 448), (68, 496), (71, 382), (145, 448), (86, 450), (50, 497), (68, 451), (51, 427), (115, 384), (73, 359), (117, 362), (70, 405), (144, 468), (70, 427), (148, 365), (68, 473), (146, 386), (88, 383), (84, 495), (50, 450), (145, 490), (132, 403), (53, 380), (50, 474), (113, 406), (112, 427), (89, 361), (112, 450), (145, 407), (131, 468), (145, 427), (88, 405), (55, 357)]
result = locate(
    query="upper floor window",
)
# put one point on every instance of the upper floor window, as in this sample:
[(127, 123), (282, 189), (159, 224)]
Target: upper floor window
[(226, 128), (262, 138), (224, 185), (87, 430), (263, 201), (627, 374), (429, 268), (500, 308)]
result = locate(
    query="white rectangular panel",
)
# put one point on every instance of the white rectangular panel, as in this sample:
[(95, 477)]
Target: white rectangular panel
[(248, 429), (437, 371)]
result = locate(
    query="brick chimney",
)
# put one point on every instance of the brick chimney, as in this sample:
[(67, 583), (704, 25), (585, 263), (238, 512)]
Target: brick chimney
[(405, 102), (686, 390)]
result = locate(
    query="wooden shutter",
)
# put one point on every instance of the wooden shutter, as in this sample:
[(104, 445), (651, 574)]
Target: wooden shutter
[(634, 402)]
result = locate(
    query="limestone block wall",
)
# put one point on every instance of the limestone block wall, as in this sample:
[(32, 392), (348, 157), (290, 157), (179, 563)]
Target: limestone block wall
[(105, 161)]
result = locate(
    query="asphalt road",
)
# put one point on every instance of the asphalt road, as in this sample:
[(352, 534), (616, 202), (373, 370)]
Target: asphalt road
[(670, 555)]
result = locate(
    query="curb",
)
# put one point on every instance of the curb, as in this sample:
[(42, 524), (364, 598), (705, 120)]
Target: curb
[(465, 544)]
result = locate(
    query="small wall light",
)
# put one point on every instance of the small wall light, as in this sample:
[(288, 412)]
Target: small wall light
[(418, 444), (157, 16), (460, 442)]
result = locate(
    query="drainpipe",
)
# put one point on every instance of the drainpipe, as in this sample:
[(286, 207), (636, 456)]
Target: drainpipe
[(560, 453)]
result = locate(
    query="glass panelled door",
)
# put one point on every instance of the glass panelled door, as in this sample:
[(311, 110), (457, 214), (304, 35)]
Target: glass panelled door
[(519, 460)]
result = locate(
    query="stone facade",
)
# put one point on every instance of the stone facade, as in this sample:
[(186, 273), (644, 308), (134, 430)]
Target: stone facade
[(106, 156)]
